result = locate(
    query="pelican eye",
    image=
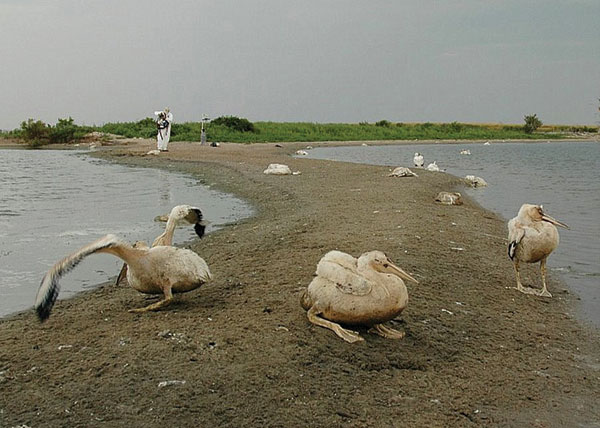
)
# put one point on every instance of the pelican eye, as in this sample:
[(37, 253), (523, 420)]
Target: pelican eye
[(385, 265)]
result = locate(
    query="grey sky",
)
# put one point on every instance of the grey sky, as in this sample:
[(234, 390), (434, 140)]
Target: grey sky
[(314, 60)]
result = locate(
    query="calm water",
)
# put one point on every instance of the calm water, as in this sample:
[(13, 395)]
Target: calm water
[(53, 202), (563, 176)]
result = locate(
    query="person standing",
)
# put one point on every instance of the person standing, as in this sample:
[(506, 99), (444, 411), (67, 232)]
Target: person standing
[(164, 121)]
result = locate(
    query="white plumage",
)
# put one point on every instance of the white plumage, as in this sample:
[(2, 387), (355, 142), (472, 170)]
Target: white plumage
[(157, 270), (366, 291), (532, 237)]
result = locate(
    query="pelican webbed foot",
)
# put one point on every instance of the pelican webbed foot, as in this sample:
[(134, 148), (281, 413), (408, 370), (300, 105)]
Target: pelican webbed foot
[(348, 335), (526, 290), (154, 306), (544, 293), (387, 332)]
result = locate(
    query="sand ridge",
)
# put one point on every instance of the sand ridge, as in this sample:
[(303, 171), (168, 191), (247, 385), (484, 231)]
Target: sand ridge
[(476, 352)]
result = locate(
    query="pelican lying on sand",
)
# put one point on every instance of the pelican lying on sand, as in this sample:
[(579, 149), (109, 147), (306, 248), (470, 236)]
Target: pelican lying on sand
[(180, 214), (433, 167), (366, 291), (418, 160), (532, 237), (162, 269)]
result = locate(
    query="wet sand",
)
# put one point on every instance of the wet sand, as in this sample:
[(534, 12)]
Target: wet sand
[(476, 352)]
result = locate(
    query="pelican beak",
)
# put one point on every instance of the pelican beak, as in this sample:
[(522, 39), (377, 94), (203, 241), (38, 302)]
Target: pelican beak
[(400, 273), (549, 219)]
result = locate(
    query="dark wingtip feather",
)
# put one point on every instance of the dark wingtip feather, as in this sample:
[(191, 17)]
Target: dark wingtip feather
[(199, 228), (43, 313), (44, 307), (511, 249)]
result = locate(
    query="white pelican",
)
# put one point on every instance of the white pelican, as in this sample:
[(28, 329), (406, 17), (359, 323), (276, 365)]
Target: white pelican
[(418, 160), (449, 198), (475, 181), (402, 172), (532, 237), (157, 270), (278, 169), (433, 167), (185, 214), (366, 291)]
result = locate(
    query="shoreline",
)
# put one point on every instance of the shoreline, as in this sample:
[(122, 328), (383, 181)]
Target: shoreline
[(246, 346)]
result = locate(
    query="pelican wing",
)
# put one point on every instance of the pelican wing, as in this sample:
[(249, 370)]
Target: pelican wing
[(347, 280), (50, 287), (516, 232)]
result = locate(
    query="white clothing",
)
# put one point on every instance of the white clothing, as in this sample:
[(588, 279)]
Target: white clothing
[(164, 134)]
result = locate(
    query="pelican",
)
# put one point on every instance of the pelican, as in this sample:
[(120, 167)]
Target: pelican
[(402, 172), (532, 236), (178, 215), (433, 167), (418, 160), (162, 269), (277, 169), (366, 291)]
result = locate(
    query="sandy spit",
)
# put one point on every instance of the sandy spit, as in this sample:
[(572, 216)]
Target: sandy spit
[(240, 352)]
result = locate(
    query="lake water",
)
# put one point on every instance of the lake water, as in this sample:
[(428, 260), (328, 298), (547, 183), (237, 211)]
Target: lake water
[(563, 176), (53, 202)]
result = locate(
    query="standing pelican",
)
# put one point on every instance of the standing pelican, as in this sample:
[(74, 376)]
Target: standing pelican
[(532, 237), (365, 291), (179, 214), (162, 269), (418, 160)]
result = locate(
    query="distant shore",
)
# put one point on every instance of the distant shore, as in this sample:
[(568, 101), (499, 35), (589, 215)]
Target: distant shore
[(476, 352)]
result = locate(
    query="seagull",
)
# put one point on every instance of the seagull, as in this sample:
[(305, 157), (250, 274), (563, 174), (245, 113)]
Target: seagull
[(366, 291), (532, 236)]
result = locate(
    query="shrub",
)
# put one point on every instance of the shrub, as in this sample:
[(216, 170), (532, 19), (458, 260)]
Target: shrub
[(531, 123), (383, 122), (235, 123), (64, 131), (35, 133)]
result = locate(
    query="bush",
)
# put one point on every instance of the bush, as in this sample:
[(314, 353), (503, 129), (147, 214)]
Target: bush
[(531, 123), (35, 133), (64, 131), (235, 123), (383, 122)]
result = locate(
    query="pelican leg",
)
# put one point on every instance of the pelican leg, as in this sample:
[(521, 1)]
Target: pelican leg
[(526, 290), (157, 305), (544, 292), (387, 332), (347, 335), (122, 274)]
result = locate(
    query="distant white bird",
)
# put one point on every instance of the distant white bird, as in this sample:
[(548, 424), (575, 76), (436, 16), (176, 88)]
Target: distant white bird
[(159, 270), (301, 152), (465, 152), (475, 181), (278, 169), (402, 172), (366, 291), (418, 160), (433, 167), (532, 237), (449, 198)]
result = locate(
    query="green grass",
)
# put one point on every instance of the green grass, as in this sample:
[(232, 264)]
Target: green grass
[(383, 130), (304, 131)]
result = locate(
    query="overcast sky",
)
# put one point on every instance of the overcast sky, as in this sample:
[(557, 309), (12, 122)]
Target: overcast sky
[(312, 60)]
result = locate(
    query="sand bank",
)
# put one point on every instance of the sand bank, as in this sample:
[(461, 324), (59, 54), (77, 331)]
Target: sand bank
[(476, 352)]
